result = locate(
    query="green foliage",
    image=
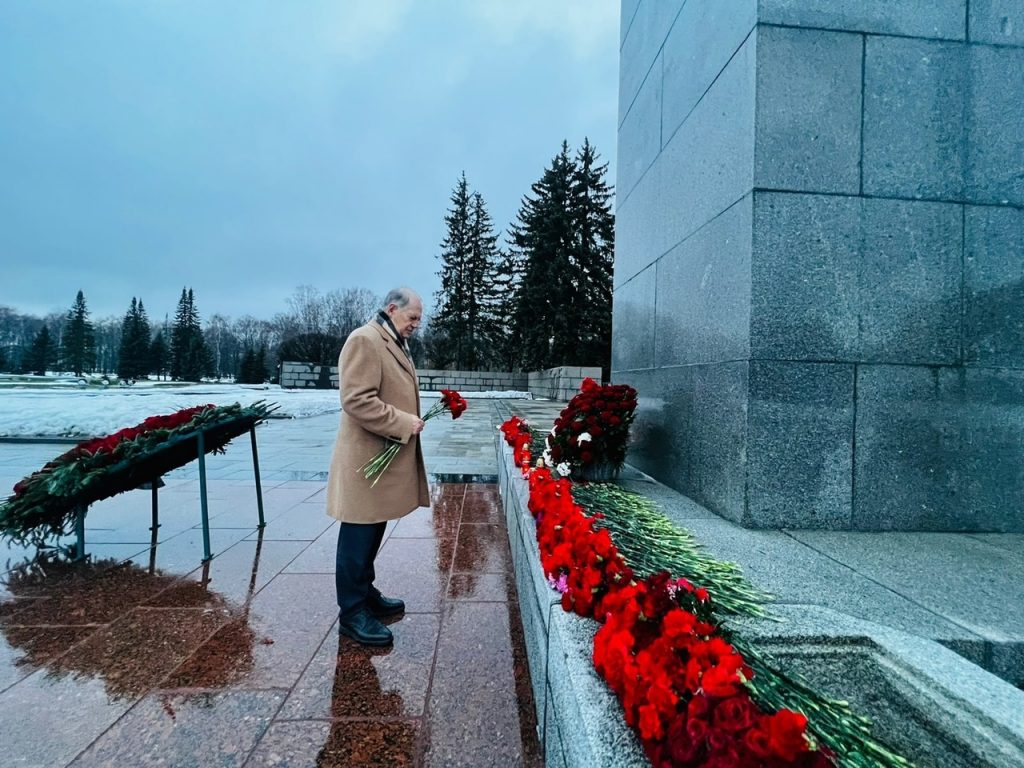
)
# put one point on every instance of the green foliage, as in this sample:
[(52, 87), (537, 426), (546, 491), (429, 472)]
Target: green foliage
[(253, 367), (78, 343), (44, 503), (563, 250), (43, 353), (158, 357), (190, 357), (467, 326), (134, 361)]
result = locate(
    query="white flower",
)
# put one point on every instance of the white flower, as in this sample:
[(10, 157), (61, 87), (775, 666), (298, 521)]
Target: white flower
[(584, 437), (548, 461), (564, 469)]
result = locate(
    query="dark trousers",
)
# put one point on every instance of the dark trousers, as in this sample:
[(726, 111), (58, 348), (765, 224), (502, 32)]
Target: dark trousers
[(353, 570)]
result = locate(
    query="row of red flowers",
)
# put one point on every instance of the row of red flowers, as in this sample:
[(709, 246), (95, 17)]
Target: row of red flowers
[(108, 444), (681, 683)]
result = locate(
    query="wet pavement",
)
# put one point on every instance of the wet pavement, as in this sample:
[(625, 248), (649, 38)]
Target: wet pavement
[(145, 656)]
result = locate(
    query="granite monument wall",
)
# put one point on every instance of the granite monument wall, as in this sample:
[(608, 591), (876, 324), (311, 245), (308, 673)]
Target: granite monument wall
[(819, 276)]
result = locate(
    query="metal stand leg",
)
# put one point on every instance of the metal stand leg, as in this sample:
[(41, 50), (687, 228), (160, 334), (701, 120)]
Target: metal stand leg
[(256, 471), (202, 498), (80, 532), (156, 508)]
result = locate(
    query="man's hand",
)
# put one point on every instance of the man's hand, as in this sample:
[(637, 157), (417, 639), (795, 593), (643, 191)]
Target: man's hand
[(417, 426)]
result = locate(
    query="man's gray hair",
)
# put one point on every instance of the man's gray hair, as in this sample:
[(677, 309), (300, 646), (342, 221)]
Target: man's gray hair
[(400, 297)]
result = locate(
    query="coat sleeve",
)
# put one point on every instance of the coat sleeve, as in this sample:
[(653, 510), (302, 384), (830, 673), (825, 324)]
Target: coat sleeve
[(360, 366)]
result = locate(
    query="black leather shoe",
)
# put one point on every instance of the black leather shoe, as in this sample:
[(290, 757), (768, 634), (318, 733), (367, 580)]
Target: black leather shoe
[(384, 606), (365, 629)]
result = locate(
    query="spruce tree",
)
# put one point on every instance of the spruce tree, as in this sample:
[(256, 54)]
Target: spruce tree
[(78, 345), (245, 375), (543, 239), (42, 352), (594, 258), (259, 366), (190, 357), (563, 248), (158, 362), (465, 326), (449, 319), (133, 355)]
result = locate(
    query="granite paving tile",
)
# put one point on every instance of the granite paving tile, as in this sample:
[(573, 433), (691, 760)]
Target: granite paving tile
[(186, 729), (348, 680)]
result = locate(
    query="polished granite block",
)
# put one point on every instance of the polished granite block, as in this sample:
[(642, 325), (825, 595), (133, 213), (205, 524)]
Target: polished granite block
[(233, 576), (481, 587), (716, 147), (207, 729), (303, 522), (225, 659), (995, 126), (441, 519), (703, 39), (632, 336), (939, 449), (855, 279), (318, 557), (808, 110), (23, 650), (922, 566), (800, 421), (1000, 22), (347, 680), (415, 570), (345, 744), (134, 654), (289, 619), (482, 548), (935, 18), (474, 715), (994, 286), (640, 132), (907, 83), (701, 311), (87, 594), (692, 434), (797, 573), (647, 31), (50, 718)]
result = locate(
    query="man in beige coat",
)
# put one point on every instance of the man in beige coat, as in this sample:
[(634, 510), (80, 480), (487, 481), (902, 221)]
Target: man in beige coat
[(380, 402)]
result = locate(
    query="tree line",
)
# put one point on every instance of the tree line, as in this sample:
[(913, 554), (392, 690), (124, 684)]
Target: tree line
[(545, 298), (541, 298), (183, 347)]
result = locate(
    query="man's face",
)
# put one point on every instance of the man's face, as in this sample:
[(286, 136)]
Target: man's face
[(406, 319)]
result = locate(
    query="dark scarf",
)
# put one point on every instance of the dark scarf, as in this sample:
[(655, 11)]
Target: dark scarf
[(383, 319)]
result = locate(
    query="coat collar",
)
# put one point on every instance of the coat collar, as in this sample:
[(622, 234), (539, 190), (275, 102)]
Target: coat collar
[(392, 344)]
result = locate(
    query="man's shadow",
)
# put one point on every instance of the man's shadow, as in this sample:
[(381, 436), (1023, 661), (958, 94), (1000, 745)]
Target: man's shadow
[(383, 737)]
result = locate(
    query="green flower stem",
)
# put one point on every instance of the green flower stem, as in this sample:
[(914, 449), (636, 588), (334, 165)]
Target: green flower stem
[(376, 466), (651, 543)]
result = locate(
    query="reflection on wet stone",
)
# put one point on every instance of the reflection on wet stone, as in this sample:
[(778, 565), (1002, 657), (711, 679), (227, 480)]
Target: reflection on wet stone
[(125, 664)]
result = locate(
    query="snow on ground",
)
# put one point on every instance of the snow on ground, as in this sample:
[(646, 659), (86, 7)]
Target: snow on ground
[(30, 411)]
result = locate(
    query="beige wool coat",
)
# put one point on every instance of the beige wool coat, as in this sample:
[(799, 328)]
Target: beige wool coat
[(380, 399)]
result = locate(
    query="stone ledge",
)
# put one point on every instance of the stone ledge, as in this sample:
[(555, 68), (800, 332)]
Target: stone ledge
[(937, 707)]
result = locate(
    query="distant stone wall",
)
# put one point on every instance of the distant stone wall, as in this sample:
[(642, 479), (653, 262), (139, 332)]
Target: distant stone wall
[(554, 383), (432, 380), (308, 376), (561, 383)]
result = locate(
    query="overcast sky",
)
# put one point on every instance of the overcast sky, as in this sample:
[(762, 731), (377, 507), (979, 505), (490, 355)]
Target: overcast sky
[(244, 148)]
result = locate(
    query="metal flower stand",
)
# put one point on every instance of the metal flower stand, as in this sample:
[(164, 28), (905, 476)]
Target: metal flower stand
[(155, 482)]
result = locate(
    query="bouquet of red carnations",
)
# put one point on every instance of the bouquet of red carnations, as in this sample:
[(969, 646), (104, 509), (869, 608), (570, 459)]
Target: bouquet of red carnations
[(450, 401)]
